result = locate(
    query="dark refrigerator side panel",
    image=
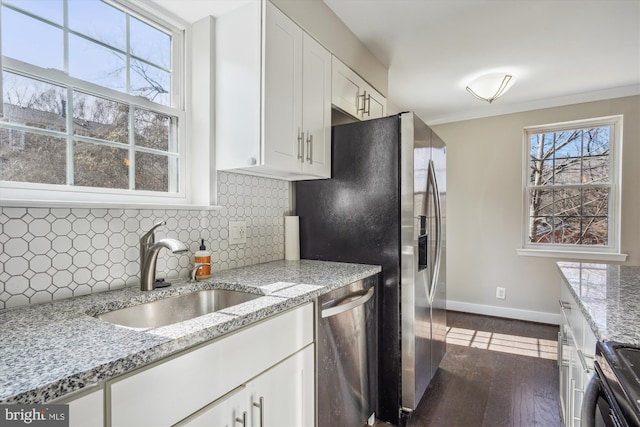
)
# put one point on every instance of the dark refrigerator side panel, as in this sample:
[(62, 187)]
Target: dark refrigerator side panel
[(355, 217)]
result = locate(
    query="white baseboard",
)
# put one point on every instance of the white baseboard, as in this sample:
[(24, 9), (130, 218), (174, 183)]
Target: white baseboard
[(511, 313)]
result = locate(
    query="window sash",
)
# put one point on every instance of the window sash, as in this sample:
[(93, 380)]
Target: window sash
[(613, 186), (177, 191)]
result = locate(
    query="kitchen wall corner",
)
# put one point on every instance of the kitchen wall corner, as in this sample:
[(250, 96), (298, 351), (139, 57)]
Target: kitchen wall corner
[(53, 253)]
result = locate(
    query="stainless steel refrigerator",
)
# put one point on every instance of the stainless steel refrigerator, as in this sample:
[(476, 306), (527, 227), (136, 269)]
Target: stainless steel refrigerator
[(385, 205)]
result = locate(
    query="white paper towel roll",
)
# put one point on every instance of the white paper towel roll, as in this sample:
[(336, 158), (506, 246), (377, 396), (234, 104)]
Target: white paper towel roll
[(291, 238)]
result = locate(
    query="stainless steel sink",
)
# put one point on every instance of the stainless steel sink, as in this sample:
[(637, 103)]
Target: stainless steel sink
[(176, 309)]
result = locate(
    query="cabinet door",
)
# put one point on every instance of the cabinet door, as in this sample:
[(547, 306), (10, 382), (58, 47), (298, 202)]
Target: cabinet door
[(88, 410), (345, 88), (283, 92), (285, 394), (221, 413), (376, 106), (316, 108), (575, 378)]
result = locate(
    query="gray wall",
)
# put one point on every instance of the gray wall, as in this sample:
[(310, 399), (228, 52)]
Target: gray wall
[(484, 212)]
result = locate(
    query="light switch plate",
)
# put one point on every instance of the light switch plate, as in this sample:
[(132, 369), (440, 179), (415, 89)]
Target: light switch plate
[(237, 232)]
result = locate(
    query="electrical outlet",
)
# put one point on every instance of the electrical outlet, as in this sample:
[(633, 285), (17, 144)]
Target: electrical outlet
[(237, 232), (501, 293)]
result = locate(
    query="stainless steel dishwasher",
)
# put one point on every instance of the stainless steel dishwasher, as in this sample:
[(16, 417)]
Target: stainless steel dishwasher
[(347, 348)]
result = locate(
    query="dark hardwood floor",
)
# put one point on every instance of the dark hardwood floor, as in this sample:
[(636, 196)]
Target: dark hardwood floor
[(497, 372)]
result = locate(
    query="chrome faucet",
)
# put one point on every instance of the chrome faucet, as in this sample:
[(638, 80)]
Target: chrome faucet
[(149, 250)]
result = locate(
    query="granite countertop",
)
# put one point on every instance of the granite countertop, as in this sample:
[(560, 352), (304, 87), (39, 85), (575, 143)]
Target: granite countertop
[(50, 350), (608, 296)]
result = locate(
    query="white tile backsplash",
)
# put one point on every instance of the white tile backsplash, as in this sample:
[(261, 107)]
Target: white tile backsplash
[(48, 254)]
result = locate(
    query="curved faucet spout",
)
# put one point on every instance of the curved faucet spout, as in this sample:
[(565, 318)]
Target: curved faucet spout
[(148, 264), (147, 240)]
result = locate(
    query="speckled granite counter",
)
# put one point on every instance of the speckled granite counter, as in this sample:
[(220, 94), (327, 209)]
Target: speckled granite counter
[(49, 350), (608, 296)]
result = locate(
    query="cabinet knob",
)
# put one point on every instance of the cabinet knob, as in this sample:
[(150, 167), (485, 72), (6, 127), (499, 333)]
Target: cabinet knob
[(252, 161)]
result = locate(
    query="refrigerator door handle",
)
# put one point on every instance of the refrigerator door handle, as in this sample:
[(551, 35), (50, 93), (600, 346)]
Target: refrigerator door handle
[(436, 198)]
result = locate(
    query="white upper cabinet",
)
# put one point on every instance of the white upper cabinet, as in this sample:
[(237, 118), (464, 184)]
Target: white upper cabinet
[(316, 108), (273, 96), (354, 96)]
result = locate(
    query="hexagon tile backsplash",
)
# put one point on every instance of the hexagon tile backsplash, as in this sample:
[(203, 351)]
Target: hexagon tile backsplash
[(55, 253)]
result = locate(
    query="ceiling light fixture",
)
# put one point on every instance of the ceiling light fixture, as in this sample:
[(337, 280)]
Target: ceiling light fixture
[(490, 86)]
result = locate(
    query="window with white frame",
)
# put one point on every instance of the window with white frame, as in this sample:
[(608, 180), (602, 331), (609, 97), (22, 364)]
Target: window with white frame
[(572, 186), (92, 102)]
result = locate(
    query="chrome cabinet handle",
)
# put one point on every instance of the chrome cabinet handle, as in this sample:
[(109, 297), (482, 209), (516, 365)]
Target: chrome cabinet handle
[(300, 145), (309, 148), (243, 420), (364, 99), (261, 406), (559, 349), (564, 304), (368, 106), (583, 361)]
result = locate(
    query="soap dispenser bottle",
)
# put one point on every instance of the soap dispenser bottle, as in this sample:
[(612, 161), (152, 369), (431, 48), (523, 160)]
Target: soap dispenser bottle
[(203, 256)]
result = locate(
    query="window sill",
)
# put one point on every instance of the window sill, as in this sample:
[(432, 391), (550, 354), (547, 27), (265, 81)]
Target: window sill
[(574, 255), (4, 203)]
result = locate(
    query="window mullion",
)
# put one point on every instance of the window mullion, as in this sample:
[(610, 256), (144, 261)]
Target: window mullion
[(582, 176), (70, 131), (65, 36), (128, 52), (132, 150), (553, 189), (132, 120)]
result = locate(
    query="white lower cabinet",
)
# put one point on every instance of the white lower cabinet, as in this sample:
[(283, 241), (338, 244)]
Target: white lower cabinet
[(181, 389), (286, 393), (282, 396), (576, 353)]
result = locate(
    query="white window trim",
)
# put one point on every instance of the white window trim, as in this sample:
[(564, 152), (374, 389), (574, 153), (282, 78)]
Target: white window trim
[(577, 252), (43, 195)]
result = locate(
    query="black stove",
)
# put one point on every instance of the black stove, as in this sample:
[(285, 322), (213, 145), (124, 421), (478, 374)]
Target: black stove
[(618, 369)]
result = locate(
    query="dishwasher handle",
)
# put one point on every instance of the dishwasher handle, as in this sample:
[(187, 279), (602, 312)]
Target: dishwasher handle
[(347, 303)]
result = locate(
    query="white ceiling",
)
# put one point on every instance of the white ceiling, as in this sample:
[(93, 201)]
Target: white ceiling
[(560, 51)]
